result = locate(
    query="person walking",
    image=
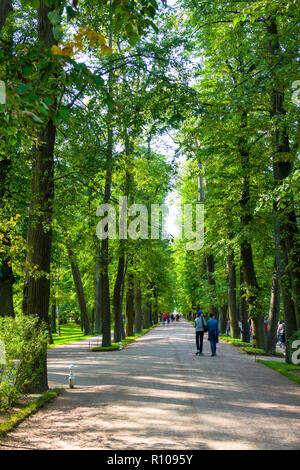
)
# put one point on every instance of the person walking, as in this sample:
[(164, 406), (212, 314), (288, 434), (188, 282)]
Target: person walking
[(281, 334), (200, 325), (213, 333), (164, 317), (168, 319), (228, 327)]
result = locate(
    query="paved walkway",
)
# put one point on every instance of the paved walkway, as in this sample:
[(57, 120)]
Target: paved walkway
[(156, 394)]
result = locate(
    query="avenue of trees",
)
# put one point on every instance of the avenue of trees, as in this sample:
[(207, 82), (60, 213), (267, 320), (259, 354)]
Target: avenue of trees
[(90, 86)]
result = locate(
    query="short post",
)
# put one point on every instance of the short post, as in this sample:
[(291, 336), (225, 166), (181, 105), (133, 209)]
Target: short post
[(120, 345), (71, 376)]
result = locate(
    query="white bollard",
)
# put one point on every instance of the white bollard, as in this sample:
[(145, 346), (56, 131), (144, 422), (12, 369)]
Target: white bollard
[(71, 376)]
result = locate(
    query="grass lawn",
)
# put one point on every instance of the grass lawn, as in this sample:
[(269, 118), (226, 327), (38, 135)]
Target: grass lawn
[(69, 333), (283, 368), (248, 348), (125, 342), (11, 418)]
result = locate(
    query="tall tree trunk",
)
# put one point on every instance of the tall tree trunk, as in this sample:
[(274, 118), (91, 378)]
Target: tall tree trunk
[(210, 266), (129, 304), (155, 306), (6, 272), (244, 310), (147, 315), (273, 312), (138, 323), (117, 299), (232, 307), (252, 288), (286, 233), (105, 300), (5, 9), (223, 318), (36, 291), (208, 261), (98, 292), (6, 280), (85, 322), (53, 317)]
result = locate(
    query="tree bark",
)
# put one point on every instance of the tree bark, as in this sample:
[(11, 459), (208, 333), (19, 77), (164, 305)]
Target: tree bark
[(85, 322), (244, 310), (6, 272), (104, 279), (273, 313), (210, 265), (252, 288), (36, 291), (147, 315), (286, 232), (129, 305), (138, 323), (117, 300), (98, 292), (5, 9), (6, 281), (232, 307), (223, 318), (53, 317)]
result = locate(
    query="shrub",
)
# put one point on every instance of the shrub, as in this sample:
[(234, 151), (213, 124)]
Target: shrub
[(26, 348)]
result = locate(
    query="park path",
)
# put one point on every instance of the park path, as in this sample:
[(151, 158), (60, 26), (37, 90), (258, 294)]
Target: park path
[(156, 394)]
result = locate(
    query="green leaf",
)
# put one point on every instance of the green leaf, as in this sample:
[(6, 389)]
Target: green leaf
[(57, 33), (37, 119), (133, 38), (71, 13), (22, 88), (63, 113), (99, 82), (54, 17)]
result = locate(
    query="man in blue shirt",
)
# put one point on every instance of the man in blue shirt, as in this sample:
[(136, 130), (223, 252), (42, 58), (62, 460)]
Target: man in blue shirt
[(213, 333)]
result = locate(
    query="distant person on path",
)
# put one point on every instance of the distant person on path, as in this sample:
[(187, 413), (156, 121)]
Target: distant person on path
[(163, 319), (281, 334), (168, 318), (266, 322), (240, 328), (228, 327), (200, 325), (172, 317), (213, 333), (250, 329)]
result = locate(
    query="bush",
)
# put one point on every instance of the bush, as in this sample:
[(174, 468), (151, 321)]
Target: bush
[(25, 343)]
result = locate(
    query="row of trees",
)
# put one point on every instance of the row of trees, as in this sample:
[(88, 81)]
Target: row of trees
[(241, 139), (89, 85)]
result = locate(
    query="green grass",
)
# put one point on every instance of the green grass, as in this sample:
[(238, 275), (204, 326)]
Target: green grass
[(69, 334), (261, 352), (18, 417), (125, 342), (248, 348), (283, 368), (235, 342)]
